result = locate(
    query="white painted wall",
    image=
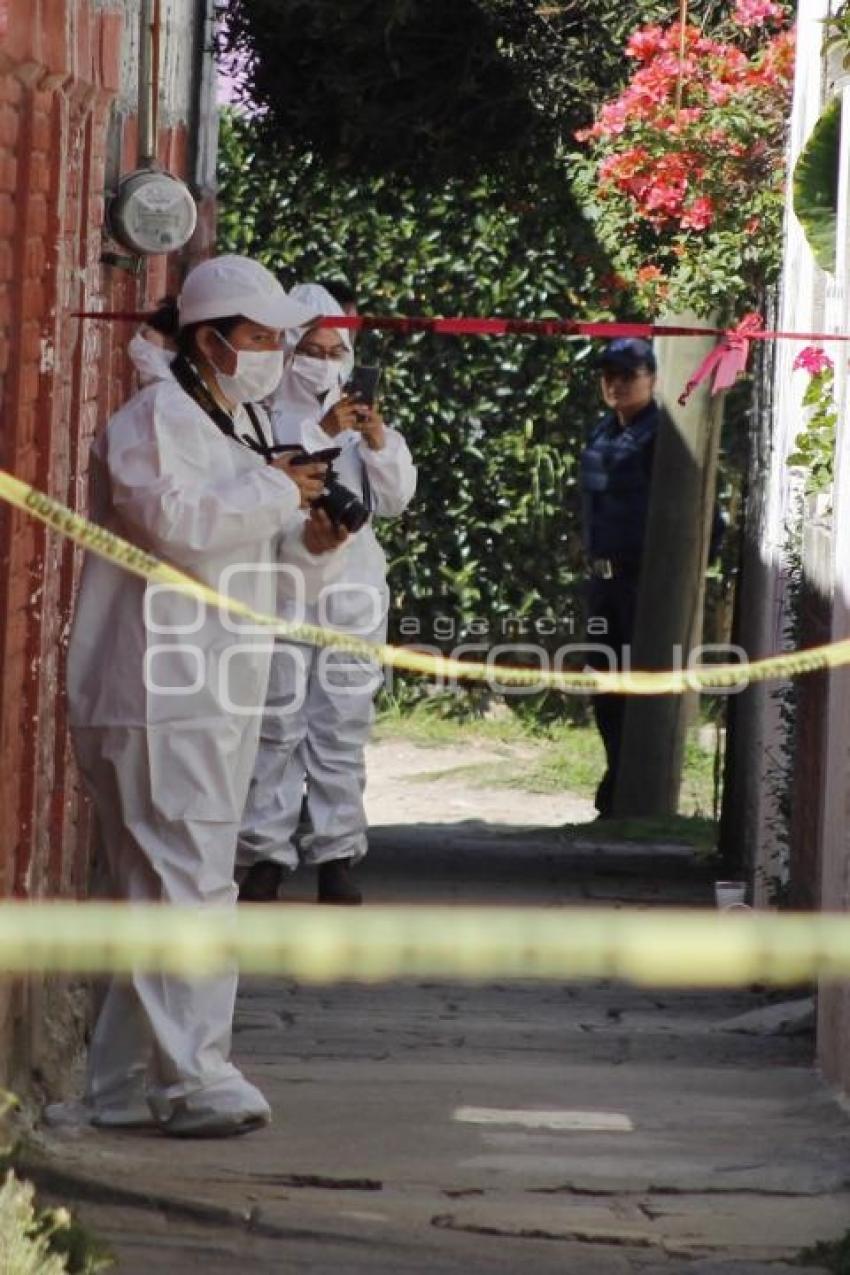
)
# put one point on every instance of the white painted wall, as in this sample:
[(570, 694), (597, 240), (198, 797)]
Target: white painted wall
[(814, 300), (177, 45), (803, 308)]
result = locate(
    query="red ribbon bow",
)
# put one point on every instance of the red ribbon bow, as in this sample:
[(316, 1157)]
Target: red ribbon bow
[(728, 360)]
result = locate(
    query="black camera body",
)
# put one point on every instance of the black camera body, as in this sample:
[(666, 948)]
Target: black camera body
[(341, 505)]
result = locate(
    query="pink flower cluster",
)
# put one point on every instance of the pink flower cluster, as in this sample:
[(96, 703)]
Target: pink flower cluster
[(755, 13), (813, 360), (664, 141)]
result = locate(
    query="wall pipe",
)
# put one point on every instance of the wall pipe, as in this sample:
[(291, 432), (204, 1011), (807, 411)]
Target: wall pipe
[(150, 28)]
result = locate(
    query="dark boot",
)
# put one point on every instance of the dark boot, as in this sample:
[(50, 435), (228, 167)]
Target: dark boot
[(336, 885), (261, 882)]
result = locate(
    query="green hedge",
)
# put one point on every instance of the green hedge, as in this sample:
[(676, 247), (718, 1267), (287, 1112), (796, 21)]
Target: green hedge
[(495, 424)]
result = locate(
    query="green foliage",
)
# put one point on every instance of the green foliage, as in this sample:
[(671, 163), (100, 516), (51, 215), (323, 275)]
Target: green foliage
[(495, 424), (837, 33), (816, 186), (37, 1241), (815, 445), (781, 758), (447, 87), (828, 1255)]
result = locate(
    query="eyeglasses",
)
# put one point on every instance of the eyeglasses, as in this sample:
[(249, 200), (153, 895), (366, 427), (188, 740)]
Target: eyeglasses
[(319, 352)]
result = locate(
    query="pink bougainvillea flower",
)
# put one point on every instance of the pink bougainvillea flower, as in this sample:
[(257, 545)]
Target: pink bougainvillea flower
[(645, 43), (700, 116), (755, 13), (719, 92), (699, 215), (813, 360)]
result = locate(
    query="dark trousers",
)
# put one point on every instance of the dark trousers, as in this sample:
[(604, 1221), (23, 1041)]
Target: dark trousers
[(611, 606)]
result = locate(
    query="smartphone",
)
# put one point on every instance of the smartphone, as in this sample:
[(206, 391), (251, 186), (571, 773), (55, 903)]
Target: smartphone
[(363, 384)]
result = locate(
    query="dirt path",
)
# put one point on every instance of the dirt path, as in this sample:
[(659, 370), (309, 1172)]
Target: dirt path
[(397, 791)]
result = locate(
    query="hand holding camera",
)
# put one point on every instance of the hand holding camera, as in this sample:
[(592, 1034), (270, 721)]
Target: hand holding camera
[(308, 478), (320, 534), (330, 495)]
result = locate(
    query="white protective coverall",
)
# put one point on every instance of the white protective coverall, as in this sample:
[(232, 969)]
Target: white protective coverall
[(319, 709), (165, 700)]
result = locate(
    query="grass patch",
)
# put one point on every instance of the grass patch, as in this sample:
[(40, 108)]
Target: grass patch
[(677, 830), (431, 727), (559, 757), (830, 1255)]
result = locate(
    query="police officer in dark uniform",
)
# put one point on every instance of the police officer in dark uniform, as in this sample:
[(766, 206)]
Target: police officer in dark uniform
[(616, 472)]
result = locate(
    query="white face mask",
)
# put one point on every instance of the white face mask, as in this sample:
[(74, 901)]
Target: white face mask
[(318, 375), (257, 375)]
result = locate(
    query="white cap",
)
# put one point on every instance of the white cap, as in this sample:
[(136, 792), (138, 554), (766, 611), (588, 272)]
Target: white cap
[(224, 287), (315, 299)]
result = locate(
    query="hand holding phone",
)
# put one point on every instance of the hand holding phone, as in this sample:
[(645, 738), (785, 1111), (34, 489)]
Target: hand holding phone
[(362, 385)]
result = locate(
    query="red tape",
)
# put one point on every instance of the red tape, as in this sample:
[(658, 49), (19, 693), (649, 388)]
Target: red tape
[(471, 326), (722, 365)]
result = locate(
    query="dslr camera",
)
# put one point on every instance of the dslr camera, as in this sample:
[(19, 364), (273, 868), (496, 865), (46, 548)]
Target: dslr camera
[(341, 505)]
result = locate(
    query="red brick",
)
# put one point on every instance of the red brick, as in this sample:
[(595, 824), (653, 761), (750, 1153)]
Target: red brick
[(8, 174), (6, 261), (7, 217), (111, 39), (25, 434), (33, 258), (33, 299), (37, 215), (31, 343), (11, 89), (9, 125), (29, 386), (42, 127), (39, 175)]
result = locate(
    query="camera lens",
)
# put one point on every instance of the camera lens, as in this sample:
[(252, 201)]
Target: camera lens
[(342, 506)]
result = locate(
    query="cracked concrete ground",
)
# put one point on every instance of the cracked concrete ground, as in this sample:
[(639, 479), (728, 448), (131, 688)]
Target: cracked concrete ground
[(443, 1127)]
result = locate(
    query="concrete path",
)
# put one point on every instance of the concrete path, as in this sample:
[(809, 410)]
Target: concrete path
[(442, 1127)]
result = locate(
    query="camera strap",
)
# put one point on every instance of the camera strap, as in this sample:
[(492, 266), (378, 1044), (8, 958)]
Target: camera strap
[(190, 380), (366, 486)]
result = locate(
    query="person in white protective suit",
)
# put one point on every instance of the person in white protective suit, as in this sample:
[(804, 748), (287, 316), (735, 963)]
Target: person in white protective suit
[(320, 701), (166, 694)]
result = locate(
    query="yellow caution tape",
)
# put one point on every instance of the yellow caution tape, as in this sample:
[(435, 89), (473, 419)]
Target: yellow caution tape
[(654, 947), (669, 948), (638, 682)]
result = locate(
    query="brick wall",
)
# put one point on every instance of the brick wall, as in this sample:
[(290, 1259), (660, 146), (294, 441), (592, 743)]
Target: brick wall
[(63, 67)]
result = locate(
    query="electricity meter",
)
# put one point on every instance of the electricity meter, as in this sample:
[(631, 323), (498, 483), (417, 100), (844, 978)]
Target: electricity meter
[(152, 212)]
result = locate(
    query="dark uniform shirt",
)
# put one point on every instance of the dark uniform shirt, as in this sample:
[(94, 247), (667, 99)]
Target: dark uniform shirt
[(616, 472)]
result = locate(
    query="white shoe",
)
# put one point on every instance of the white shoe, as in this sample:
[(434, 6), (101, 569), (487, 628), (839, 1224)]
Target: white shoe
[(219, 1111), (80, 1115), (214, 1124)]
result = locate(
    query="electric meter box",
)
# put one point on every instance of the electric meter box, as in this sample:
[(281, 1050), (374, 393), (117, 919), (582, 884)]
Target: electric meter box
[(152, 212)]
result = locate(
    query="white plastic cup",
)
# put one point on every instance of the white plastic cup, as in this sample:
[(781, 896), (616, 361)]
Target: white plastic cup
[(730, 894)]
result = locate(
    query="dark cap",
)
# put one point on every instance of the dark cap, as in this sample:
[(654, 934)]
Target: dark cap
[(628, 352)]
